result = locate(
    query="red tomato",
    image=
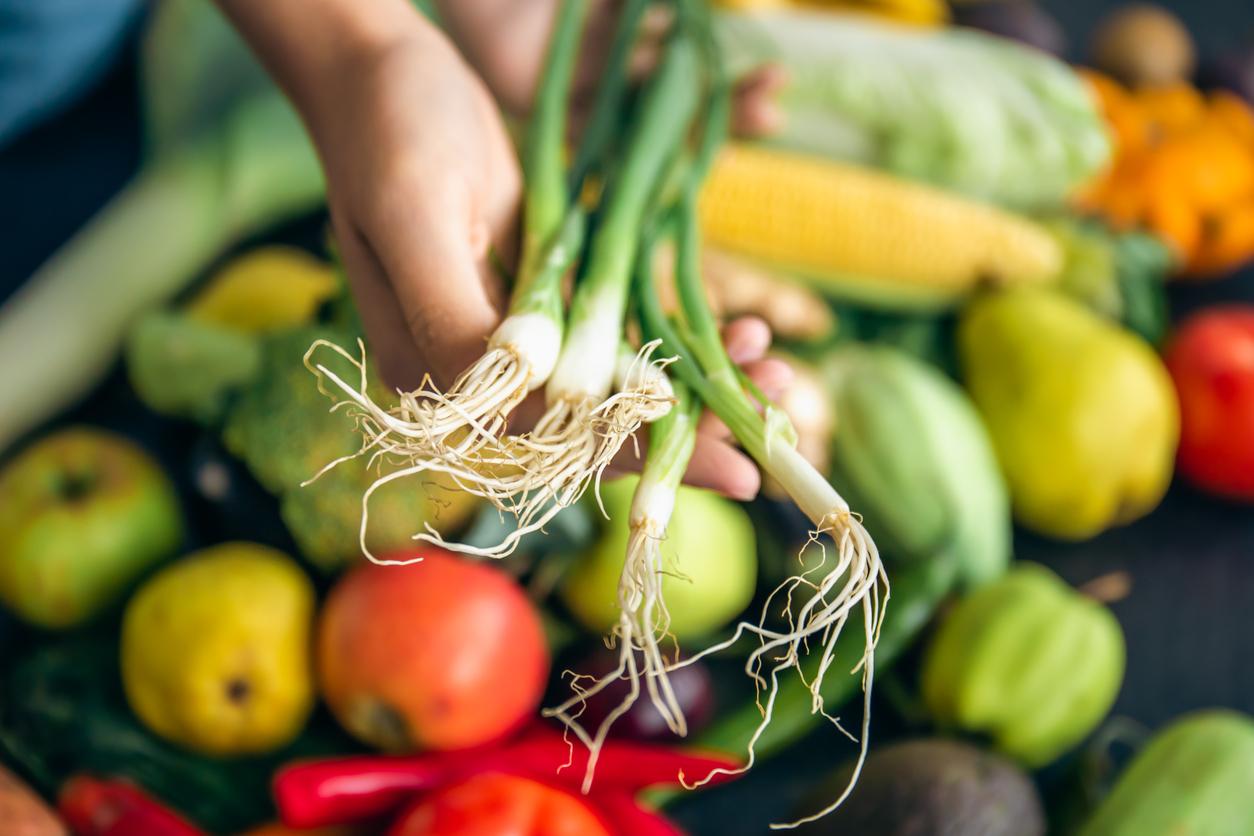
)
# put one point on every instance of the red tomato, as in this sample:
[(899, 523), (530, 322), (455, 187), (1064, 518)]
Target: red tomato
[(446, 653), (500, 805), (1211, 360)]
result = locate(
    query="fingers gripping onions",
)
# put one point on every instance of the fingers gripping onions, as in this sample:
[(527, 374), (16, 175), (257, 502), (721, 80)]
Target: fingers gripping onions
[(600, 392)]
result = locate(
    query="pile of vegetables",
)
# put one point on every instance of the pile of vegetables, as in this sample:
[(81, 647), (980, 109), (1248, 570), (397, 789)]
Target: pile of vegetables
[(971, 351)]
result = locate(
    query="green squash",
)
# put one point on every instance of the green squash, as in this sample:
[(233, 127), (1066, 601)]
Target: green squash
[(911, 454)]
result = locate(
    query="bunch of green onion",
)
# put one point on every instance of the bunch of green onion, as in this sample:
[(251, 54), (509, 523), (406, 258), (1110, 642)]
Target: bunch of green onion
[(601, 391)]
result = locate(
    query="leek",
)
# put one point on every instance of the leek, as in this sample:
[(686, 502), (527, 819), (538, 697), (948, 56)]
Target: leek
[(229, 158), (61, 332)]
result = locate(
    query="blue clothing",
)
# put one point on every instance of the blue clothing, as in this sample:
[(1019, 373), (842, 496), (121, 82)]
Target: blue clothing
[(52, 50)]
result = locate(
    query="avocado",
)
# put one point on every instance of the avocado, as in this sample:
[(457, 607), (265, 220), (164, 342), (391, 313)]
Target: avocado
[(929, 787)]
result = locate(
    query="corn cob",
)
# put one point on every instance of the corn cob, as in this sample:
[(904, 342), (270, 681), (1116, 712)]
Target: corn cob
[(919, 12), (916, 12), (865, 235)]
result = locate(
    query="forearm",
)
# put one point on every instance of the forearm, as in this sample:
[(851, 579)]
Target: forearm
[(309, 46)]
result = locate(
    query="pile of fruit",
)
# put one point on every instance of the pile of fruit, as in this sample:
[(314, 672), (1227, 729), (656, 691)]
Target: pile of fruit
[(979, 324)]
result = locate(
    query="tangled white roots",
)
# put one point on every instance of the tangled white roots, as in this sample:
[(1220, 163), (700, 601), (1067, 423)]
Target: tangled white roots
[(857, 580), (535, 475), (460, 435), (642, 622), (427, 423)]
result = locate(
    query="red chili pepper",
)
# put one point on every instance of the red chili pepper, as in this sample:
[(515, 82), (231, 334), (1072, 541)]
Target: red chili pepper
[(622, 765), (110, 807), (341, 790)]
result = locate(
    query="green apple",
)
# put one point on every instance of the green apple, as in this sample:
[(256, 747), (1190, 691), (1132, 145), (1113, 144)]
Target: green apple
[(82, 514), (709, 547)]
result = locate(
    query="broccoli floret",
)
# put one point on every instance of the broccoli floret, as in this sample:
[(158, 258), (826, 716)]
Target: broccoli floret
[(186, 368), (325, 516), (282, 427)]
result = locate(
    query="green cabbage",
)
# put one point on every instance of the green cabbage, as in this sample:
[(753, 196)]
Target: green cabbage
[(963, 110)]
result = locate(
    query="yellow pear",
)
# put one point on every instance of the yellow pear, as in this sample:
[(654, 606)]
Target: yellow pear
[(1082, 412), (216, 650)]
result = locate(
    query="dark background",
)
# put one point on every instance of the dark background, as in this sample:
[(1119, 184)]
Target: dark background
[(1189, 615)]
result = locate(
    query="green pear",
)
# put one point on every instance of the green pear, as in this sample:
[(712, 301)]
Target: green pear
[(1082, 413), (709, 549)]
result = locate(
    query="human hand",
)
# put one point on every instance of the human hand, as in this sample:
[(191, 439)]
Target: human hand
[(716, 462), (422, 184), (505, 40), (423, 187), (422, 181)]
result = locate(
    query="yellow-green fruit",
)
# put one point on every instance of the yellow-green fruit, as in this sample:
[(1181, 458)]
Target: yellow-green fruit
[(1027, 661), (1082, 413), (1194, 778), (709, 548), (266, 289), (215, 650), (83, 514)]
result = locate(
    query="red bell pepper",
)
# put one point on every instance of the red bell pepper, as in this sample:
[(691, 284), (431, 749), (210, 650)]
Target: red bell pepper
[(630, 817), (110, 807), (495, 803), (341, 790)]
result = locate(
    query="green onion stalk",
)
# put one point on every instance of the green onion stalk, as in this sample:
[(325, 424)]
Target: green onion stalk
[(595, 400), (815, 607), (430, 430), (611, 91), (643, 618)]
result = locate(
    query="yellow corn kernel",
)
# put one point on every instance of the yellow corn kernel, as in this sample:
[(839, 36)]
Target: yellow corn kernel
[(838, 224)]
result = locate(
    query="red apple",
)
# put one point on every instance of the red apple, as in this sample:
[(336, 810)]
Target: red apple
[(82, 514), (443, 654)]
